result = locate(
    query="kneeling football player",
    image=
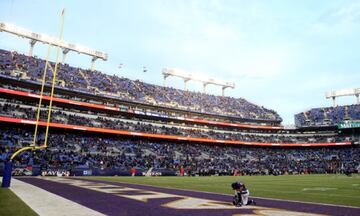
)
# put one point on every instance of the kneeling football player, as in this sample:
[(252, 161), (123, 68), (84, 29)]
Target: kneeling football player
[(241, 194)]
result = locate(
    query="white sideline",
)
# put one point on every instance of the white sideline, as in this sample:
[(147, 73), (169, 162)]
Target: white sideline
[(46, 203)]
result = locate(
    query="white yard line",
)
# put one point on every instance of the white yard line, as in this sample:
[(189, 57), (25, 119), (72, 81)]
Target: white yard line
[(46, 203)]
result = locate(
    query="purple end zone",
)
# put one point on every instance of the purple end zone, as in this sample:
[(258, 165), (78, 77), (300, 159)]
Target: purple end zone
[(110, 204)]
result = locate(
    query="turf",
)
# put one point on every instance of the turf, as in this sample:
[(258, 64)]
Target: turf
[(330, 189), (10, 204)]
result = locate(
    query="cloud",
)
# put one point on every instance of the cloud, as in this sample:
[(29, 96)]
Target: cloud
[(346, 14)]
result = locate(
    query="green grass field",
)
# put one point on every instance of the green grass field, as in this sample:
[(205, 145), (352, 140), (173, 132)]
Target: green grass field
[(10, 204), (330, 189)]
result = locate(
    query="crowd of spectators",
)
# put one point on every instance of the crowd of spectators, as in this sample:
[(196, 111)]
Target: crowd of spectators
[(31, 68), (68, 150), (103, 121), (327, 116)]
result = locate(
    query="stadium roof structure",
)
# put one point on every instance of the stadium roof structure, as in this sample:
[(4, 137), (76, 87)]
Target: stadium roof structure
[(188, 76), (343, 92), (43, 38)]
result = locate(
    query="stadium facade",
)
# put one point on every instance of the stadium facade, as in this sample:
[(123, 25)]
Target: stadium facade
[(107, 125)]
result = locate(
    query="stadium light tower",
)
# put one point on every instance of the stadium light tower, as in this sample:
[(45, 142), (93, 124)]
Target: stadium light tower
[(65, 46), (167, 72), (344, 92)]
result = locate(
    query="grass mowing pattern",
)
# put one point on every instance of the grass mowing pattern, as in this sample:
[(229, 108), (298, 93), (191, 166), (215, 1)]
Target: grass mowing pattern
[(10, 204), (330, 189)]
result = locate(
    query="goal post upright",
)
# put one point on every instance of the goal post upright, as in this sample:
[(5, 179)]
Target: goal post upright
[(54, 78)]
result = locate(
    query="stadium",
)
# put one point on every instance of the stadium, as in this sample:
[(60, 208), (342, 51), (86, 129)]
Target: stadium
[(76, 140)]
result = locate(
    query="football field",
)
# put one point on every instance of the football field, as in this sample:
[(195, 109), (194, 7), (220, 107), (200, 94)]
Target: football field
[(329, 189), (275, 195)]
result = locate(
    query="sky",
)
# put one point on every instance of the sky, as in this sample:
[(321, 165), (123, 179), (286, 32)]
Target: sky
[(283, 55)]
